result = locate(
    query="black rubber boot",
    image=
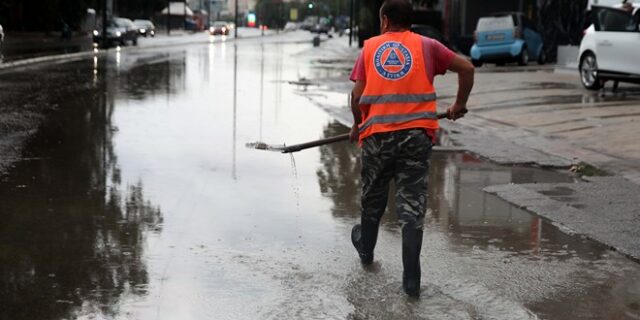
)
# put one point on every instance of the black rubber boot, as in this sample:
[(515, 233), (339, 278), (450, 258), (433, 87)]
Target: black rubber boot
[(364, 251), (411, 247)]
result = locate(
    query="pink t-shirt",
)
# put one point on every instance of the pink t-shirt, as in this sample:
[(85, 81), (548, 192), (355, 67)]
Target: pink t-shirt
[(437, 59)]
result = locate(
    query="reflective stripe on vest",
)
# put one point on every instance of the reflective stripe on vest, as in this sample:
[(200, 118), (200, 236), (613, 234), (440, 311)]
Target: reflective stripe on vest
[(398, 98), (395, 118)]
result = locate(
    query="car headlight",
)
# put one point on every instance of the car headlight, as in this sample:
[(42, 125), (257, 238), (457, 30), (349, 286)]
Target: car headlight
[(212, 29), (143, 30), (96, 33), (224, 29), (118, 33)]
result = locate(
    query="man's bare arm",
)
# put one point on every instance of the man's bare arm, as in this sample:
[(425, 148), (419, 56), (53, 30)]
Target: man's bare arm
[(356, 93), (465, 71)]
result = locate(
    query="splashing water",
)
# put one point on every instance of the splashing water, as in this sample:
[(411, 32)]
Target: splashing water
[(295, 185)]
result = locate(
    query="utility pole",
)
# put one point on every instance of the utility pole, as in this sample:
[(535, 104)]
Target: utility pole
[(261, 25), (208, 13), (184, 12), (168, 17), (104, 24), (235, 28), (351, 17)]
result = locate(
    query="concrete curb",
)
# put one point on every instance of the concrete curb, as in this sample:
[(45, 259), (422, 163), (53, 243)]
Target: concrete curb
[(52, 58)]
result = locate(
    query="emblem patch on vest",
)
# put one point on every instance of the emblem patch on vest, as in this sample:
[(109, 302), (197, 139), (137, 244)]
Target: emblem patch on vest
[(392, 60)]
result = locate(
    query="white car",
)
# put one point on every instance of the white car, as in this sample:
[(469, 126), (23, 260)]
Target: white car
[(609, 48)]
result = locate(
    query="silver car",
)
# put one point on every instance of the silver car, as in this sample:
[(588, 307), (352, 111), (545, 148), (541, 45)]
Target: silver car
[(119, 31), (145, 27)]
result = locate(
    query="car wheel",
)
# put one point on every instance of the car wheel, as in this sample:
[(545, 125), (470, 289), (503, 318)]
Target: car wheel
[(523, 59), (135, 41), (542, 58), (589, 72), (476, 63)]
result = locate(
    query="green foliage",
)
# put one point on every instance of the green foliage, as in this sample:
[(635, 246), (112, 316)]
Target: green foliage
[(36, 15)]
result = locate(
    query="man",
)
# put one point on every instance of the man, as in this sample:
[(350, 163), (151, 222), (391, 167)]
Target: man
[(395, 122)]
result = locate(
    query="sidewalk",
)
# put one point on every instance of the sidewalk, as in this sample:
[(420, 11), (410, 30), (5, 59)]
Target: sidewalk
[(533, 116), (24, 45)]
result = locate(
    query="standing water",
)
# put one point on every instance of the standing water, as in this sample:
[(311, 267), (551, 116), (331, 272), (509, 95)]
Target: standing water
[(128, 208)]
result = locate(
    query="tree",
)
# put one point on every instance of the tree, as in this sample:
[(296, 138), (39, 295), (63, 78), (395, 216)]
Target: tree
[(35, 15)]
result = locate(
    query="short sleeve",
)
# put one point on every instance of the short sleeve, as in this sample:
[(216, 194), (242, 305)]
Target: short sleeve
[(442, 57), (358, 72)]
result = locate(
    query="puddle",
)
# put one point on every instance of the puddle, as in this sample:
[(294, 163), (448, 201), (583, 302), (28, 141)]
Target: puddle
[(167, 214)]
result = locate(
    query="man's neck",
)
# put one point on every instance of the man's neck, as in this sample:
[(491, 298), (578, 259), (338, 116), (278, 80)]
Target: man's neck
[(396, 29)]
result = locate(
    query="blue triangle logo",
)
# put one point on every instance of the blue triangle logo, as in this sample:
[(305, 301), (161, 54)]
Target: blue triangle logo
[(392, 59)]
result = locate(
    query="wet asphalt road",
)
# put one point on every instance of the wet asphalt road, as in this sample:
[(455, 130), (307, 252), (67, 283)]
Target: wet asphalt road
[(137, 199)]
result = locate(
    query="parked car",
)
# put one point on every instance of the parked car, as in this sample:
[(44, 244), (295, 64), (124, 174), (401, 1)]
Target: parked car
[(145, 27), (430, 32), (609, 48), (290, 26), (219, 27), (321, 28), (507, 37), (309, 23), (120, 31)]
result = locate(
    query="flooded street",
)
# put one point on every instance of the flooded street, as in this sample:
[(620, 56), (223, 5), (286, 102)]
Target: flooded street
[(137, 199)]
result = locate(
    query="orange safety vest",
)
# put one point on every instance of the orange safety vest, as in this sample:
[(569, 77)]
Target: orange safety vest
[(398, 94)]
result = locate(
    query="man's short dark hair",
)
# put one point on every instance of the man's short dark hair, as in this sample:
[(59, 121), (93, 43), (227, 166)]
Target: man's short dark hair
[(399, 12)]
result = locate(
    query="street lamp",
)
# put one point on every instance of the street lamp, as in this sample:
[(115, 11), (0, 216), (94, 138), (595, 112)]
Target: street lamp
[(104, 24), (235, 21)]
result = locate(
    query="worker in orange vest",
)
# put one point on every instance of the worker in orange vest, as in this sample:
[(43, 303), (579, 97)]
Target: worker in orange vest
[(394, 109)]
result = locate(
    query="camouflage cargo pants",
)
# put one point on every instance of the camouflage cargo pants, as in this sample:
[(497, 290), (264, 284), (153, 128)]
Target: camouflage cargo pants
[(402, 156)]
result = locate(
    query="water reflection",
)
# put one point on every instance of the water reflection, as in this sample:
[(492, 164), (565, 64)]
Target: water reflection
[(495, 239), (339, 176), (72, 235), (146, 75), (456, 199)]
